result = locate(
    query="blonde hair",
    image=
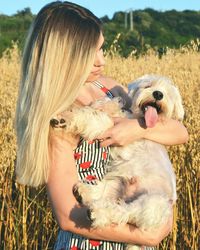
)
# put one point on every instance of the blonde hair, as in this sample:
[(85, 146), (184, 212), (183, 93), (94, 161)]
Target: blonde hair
[(58, 57)]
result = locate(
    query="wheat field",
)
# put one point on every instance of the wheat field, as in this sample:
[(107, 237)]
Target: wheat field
[(26, 220)]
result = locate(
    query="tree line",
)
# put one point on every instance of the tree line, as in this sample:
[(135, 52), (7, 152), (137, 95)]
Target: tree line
[(127, 31)]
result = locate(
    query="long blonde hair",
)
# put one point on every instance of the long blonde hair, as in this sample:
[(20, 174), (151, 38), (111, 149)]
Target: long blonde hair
[(58, 57)]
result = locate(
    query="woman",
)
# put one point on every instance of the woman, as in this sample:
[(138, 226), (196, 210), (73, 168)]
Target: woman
[(62, 60)]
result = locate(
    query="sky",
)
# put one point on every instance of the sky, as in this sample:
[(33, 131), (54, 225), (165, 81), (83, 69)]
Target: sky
[(103, 7)]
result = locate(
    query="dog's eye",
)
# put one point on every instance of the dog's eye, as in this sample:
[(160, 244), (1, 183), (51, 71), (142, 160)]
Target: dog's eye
[(146, 87)]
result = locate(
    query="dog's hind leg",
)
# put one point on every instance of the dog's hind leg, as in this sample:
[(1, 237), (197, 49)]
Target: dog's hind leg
[(100, 197), (149, 211), (110, 188)]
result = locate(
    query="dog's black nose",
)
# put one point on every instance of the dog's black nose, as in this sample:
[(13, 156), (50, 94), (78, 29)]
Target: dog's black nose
[(158, 95)]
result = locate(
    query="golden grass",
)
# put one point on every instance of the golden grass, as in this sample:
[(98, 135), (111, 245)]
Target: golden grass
[(26, 220)]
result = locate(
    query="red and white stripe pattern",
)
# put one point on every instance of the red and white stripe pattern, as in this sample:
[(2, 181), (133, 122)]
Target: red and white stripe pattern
[(91, 160)]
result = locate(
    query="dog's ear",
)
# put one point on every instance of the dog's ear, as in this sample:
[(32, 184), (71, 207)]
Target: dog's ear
[(178, 112), (141, 82), (132, 89)]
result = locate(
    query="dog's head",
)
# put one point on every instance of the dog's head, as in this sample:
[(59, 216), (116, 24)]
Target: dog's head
[(154, 95)]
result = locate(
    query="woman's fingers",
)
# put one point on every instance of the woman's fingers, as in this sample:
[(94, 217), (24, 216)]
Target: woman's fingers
[(107, 142)]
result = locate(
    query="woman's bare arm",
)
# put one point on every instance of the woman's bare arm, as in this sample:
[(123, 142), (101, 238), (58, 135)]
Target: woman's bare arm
[(125, 131), (70, 216)]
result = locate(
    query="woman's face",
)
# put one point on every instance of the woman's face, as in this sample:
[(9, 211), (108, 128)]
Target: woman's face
[(98, 63)]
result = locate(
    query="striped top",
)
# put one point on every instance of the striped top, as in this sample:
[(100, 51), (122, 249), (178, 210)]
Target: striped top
[(91, 161), (104, 89)]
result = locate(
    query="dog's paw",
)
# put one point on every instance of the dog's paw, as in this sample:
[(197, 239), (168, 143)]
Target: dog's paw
[(83, 193), (100, 214), (90, 216), (77, 194)]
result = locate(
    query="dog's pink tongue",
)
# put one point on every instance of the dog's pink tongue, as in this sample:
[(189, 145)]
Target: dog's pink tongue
[(151, 116)]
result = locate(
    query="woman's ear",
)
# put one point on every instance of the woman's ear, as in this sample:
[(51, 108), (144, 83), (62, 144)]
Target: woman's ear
[(178, 112), (142, 82)]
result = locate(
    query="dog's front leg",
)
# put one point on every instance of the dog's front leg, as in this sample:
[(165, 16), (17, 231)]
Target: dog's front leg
[(89, 123)]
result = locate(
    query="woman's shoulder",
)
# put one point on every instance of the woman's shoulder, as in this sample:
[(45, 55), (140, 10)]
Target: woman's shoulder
[(63, 140)]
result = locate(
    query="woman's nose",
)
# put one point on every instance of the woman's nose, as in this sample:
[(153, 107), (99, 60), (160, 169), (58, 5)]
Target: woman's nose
[(99, 61)]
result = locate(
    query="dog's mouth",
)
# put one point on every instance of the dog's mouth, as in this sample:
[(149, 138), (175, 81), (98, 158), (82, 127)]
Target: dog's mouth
[(155, 105), (151, 109)]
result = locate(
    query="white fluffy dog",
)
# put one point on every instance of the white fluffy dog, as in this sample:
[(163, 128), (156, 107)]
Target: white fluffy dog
[(140, 184)]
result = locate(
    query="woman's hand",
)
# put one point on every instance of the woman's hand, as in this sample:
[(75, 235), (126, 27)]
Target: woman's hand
[(125, 131)]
